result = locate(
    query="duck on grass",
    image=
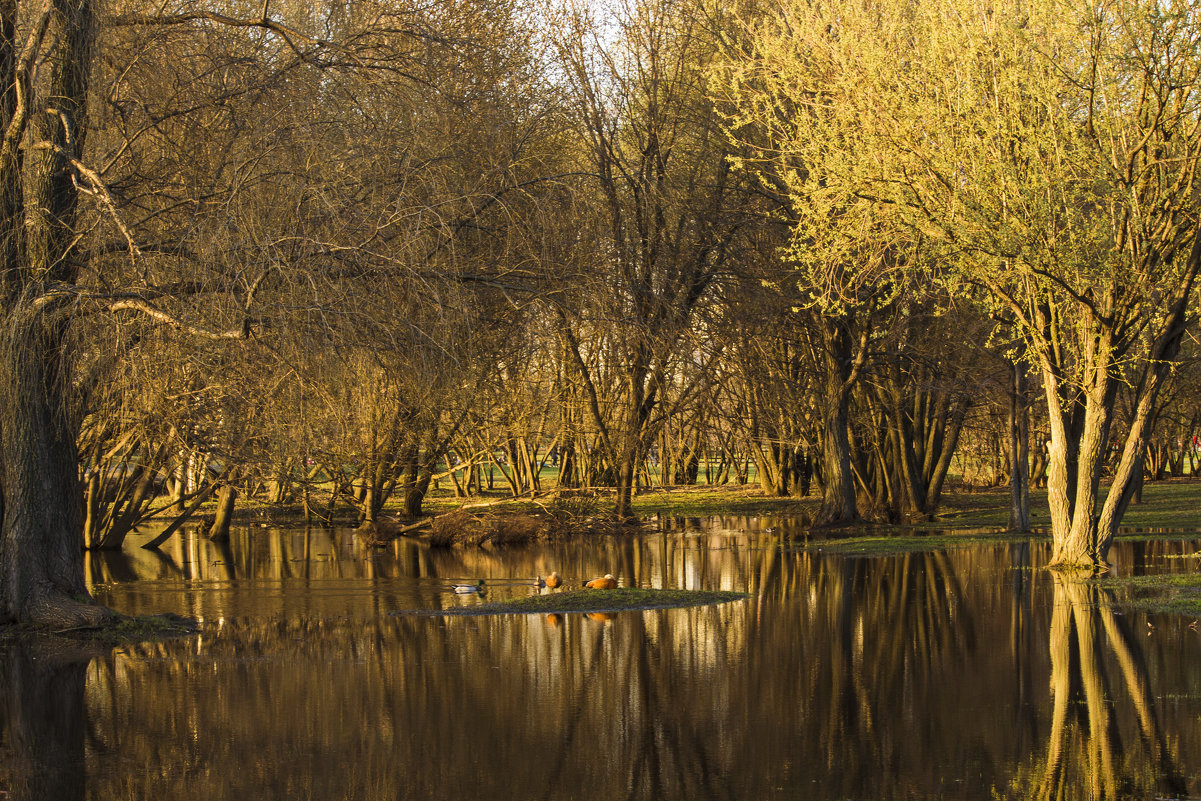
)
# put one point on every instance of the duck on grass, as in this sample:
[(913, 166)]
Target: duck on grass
[(585, 600)]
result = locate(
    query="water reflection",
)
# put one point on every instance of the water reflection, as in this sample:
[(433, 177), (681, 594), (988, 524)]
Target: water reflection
[(44, 721), (967, 673), (1106, 737)]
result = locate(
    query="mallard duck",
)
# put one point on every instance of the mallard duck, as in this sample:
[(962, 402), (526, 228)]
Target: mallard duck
[(553, 581), (607, 582), (464, 589)]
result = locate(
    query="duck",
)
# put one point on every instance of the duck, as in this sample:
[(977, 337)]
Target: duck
[(553, 581), (539, 583), (607, 582), (464, 589)]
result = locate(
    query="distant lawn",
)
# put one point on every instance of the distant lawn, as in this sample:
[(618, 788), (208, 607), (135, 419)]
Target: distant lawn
[(1173, 505)]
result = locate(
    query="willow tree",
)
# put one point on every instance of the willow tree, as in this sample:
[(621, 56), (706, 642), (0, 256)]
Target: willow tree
[(1065, 173), (1051, 148), (789, 88), (41, 563)]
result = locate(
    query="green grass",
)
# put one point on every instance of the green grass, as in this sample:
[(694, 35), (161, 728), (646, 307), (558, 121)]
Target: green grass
[(902, 540), (123, 630), (619, 600), (1172, 504), (1171, 593)]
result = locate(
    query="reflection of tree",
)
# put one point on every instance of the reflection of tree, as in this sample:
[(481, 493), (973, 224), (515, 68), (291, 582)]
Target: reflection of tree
[(1092, 741), (44, 721), (878, 634), (883, 678)]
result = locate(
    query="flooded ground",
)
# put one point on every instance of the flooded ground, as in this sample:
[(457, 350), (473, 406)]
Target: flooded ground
[(962, 674)]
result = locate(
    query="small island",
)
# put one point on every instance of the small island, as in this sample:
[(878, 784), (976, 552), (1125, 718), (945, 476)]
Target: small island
[(622, 599)]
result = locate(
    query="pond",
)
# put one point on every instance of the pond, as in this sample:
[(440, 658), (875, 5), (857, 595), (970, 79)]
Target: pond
[(965, 673)]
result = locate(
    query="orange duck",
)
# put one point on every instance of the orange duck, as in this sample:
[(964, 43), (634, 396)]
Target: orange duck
[(606, 583)]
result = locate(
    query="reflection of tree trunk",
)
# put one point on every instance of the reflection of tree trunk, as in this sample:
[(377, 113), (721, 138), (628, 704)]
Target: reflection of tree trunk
[(1081, 626), (45, 718)]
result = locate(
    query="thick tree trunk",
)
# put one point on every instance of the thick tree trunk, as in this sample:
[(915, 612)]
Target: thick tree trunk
[(838, 482), (41, 532), (41, 547), (623, 506), (415, 494)]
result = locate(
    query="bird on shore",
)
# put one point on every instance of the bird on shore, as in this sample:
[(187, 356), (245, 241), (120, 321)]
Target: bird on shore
[(605, 583), (550, 582), (466, 589)]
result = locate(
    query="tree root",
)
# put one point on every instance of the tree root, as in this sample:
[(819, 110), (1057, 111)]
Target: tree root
[(60, 613)]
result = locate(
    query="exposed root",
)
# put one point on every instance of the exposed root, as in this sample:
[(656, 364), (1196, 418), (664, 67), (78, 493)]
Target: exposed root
[(60, 613), (383, 530)]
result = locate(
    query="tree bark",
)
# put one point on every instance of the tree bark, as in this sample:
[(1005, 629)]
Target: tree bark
[(41, 550), (1019, 453), (227, 496), (838, 483)]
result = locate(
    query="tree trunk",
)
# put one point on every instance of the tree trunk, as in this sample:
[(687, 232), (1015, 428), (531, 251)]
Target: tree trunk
[(415, 494), (838, 483), (623, 507), (41, 550), (838, 487), (1019, 453), (226, 498)]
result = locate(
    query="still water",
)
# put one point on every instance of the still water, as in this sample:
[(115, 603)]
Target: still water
[(958, 674)]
